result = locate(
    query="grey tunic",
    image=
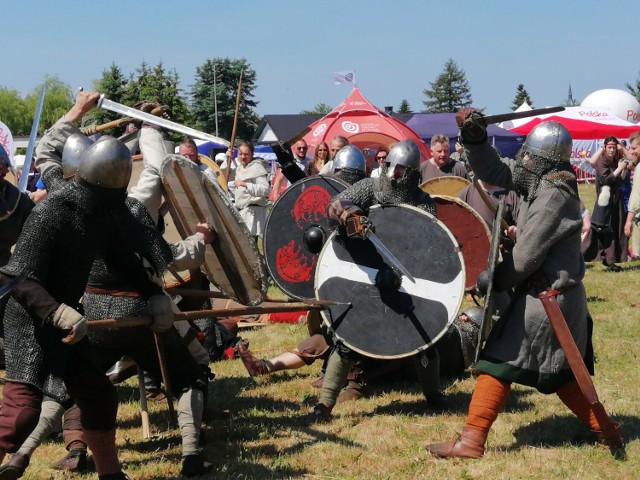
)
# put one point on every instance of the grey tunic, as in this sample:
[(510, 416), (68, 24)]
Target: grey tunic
[(522, 347)]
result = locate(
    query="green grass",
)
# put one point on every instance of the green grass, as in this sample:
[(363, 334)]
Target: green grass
[(382, 437)]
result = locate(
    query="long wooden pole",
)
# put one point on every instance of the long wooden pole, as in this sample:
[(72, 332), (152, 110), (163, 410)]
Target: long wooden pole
[(233, 130), (109, 323)]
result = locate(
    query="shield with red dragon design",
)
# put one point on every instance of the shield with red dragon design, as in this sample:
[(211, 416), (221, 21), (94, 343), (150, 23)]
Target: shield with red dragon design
[(296, 231)]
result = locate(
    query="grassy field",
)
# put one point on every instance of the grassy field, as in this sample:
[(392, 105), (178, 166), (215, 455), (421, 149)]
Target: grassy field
[(382, 437)]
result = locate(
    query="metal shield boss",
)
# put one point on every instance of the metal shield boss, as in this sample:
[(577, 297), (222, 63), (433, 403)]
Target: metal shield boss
[(232, 261), (296, 231), (387, 316), (470, 231)]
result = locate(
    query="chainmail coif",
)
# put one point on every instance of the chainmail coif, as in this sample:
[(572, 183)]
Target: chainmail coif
[(542, 173)]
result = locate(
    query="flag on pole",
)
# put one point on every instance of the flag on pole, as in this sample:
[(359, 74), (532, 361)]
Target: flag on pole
[(344, 77)]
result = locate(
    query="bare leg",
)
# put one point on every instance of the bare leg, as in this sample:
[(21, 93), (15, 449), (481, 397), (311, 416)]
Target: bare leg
[(285, 361)]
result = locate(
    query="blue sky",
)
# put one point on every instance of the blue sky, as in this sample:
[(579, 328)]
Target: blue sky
[(395, 47)]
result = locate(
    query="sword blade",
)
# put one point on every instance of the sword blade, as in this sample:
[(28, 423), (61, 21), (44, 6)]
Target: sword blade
[(26, 167), (388, 256), (503, 117), (116, 107)]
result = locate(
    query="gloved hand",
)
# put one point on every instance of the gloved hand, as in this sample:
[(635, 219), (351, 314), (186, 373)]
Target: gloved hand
[(354, 220), (482, 282), (160, 307), (473, 128), (69, 319), (154, 108), (358, 226)]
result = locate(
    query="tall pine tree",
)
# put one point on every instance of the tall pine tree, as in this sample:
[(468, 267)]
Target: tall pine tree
[(112, 84), (521, 96), (450, 92), (224, 73), (404, 106)]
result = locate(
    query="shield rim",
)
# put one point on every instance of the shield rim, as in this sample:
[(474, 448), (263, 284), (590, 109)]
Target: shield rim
[(457, 251), (486, 324), (468, 207), (265, 242)]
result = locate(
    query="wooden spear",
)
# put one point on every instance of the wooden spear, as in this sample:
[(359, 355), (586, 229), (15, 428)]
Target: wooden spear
[(233, 130)]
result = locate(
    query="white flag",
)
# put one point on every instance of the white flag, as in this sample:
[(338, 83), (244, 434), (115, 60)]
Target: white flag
[(344, 77)]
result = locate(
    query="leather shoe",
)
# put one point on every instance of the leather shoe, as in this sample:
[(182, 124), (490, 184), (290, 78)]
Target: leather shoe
[(353, 391), (469, 444), (74, 461), (155, 395), (320, 414), (193, 465), (255, 367), (15, 467)]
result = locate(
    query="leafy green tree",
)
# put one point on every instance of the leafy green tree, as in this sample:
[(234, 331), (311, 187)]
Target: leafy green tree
[(450, 92), (635, 91), (224, 73), (319, 109), (112, 84), (13, 112), (57, 102), (404, 106), (521, 96)]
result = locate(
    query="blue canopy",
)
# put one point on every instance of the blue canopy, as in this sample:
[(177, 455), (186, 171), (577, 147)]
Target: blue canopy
[(426, 125)]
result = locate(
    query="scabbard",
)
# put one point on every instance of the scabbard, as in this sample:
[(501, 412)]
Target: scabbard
[(576, 363)]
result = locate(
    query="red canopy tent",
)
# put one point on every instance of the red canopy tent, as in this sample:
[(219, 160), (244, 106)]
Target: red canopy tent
[(363, 124)]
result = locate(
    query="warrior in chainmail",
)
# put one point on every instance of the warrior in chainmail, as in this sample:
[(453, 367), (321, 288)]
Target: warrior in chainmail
[(110, 294), (397, 184), (349, 165), (78, 222), (522, 347)]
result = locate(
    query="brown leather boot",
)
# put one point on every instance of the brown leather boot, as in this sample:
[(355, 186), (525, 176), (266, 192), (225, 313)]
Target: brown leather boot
[(74, 461), (15, 467), (612, 440), (255, 367), (469, 444)]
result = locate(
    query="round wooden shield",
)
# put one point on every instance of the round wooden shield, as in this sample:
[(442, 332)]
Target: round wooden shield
[(213, 166), (232, 260), (470, 231), (296, 231), (447, 185), (381, 314)]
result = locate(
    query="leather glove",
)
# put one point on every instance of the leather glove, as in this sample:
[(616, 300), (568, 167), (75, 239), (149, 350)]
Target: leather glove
[(482, 282), (154, 108), (70, 320), (160, 307), (473, 128), (358, 226)]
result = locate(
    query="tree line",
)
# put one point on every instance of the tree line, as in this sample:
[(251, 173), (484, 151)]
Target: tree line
[(209, 104), (214, 91)]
